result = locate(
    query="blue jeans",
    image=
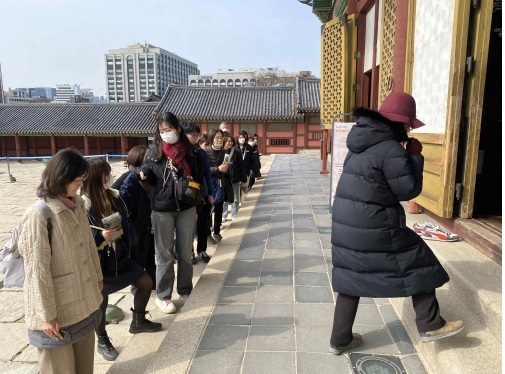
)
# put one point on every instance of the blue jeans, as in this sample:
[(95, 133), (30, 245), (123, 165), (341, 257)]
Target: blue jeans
[(236, 202), (165, 225)]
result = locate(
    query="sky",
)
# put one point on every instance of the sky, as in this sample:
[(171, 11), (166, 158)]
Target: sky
[(44, 43)]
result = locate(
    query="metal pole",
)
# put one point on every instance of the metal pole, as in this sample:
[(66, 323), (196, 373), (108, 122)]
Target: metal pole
[(9, 169)]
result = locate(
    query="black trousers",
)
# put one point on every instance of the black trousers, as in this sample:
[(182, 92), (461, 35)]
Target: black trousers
[(203, 226), (218, 217), (426, 307)]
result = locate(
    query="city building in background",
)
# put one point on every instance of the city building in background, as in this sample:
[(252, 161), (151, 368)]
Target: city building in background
[(135, 72), (42, 93), (65, 92), (244, 77), (17, 96)]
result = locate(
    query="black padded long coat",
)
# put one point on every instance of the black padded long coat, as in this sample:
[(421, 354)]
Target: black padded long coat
[(374, 253)]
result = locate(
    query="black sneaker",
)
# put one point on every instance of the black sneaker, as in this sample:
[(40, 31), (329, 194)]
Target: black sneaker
[(356, 341), (194, 260), (105, 348), (217, 237), (204, 257)]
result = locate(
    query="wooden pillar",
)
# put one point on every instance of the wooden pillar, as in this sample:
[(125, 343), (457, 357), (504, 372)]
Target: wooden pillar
[(261, 129), (86, 145), (34, 146), (306, 132), (324, 152), (124, 146), (53, 145), (4, 147), (99, 145), (67, 142), (114, 144), (17, 140), (294, 132)]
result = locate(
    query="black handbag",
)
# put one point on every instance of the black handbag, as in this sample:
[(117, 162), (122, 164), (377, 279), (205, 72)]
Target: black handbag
[(188, 191)]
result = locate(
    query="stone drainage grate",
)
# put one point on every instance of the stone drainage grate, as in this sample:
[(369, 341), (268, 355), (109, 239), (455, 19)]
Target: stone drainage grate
[(375, 364)]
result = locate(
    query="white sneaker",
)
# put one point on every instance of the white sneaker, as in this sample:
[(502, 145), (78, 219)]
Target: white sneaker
[(166, 306)]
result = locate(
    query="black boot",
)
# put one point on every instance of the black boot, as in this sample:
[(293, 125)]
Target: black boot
[(105, 348), (141, 324)]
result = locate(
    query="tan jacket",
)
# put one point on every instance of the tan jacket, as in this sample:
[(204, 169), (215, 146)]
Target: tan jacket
[(63, 284)]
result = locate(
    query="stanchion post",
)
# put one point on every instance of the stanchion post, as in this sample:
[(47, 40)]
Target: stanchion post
[(9, 169), (107, 157), (324, 153)]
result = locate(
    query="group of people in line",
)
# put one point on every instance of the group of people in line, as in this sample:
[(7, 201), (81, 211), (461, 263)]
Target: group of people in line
[(71, 270)]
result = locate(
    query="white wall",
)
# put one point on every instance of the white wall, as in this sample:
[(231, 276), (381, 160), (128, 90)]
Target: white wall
[(432, 59)]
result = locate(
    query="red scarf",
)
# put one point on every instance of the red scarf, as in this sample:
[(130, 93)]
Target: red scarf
[(177, 153)]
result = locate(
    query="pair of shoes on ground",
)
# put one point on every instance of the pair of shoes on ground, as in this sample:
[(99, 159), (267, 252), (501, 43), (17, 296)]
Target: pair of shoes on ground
[(138, 325), (430, 232), (449, 329)]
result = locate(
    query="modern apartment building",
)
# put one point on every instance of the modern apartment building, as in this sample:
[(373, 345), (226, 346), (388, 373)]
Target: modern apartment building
[(230, 78), (135, 72), (65, 92), (248, 77)]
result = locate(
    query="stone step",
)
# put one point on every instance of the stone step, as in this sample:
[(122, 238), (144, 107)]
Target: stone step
[(474, 295), (482, 237)]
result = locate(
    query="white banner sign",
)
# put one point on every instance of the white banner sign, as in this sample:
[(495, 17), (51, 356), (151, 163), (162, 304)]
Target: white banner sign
[(338, 152)]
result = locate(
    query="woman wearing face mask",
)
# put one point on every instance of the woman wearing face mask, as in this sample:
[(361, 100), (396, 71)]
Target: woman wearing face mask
[(118, 269), (171, 218), (217, 167), (255, 162), (247, 151), (237, 173)]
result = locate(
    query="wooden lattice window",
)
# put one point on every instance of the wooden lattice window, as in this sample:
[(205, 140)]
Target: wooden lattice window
[(387, 48), (333, 63), (280, 141), (317, 135)]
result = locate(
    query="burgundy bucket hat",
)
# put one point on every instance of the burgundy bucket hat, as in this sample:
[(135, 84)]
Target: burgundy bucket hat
[(400, 107)]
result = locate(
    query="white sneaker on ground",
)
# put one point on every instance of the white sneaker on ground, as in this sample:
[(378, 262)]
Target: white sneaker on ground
[(166, 306)]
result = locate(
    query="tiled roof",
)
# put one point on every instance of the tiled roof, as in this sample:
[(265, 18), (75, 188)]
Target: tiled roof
[(308, 94), (229, 103), (77, 119)]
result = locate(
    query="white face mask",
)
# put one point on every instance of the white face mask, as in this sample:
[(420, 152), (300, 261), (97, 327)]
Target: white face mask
[(108, 182), (170, 137), (241, 140), (252, 144)]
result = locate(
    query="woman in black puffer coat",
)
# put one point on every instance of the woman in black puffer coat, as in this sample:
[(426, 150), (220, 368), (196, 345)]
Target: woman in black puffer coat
[(374, 253)]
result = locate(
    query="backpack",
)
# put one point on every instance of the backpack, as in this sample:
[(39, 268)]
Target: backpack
[(11, 262)]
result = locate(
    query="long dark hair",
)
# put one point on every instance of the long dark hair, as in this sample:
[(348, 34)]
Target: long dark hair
[(102, 200), (137, 155), (63, 168), (171, 120)]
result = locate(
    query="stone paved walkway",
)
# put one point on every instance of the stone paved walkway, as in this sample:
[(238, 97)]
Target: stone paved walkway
[(275, 310)]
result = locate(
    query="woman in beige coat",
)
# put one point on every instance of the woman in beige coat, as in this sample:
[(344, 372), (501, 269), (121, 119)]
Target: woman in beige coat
[(63, 279)]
